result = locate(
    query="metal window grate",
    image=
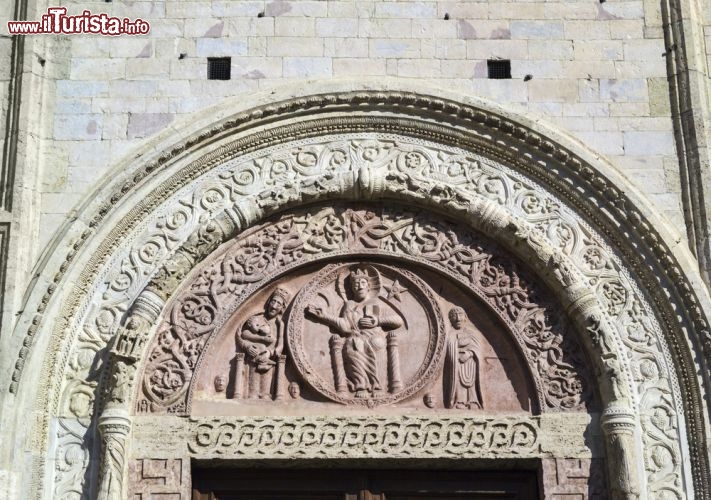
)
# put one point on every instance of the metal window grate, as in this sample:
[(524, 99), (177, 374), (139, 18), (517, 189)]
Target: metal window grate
[(499, 69), (218, 68)]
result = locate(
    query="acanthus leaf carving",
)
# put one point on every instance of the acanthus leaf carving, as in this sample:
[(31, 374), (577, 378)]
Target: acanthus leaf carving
[(72, 458)]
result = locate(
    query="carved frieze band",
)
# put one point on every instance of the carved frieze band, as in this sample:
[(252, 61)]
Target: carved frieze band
[(366, 436), (464, 436)]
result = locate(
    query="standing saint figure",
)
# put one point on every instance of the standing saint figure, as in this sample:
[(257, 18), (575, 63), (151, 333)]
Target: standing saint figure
[(462, 388), (360, 328), (261, 338)]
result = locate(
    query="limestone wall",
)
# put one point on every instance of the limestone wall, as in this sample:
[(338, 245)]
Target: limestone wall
[(598, 72), (595, 71)]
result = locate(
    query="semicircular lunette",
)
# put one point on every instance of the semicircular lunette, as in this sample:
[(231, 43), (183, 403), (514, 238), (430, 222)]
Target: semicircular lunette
[(217, 289)]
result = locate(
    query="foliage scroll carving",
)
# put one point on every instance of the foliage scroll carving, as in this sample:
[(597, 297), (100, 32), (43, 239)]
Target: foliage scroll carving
[(554, 222), (294, 239)]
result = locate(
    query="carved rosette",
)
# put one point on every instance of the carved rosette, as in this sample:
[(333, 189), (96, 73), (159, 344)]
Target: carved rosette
[(365, 367)]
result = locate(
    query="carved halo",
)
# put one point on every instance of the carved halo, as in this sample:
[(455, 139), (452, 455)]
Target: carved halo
[(300, 328)]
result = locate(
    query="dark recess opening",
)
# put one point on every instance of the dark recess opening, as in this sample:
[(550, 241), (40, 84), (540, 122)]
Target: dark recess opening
[(354, 484), (218, 68), (499, 69)]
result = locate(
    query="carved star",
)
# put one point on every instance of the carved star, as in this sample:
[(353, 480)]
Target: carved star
[(395, 290)]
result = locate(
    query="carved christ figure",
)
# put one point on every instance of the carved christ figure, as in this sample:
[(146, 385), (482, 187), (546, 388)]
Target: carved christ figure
[(362, 325), (462, 388), (261, 339)]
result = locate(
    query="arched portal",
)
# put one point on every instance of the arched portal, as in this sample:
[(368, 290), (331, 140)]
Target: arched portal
[(585, 292)]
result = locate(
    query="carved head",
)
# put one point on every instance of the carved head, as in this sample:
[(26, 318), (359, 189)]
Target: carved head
[(277, 302), (132, 323), (360, 286), (294, 390), (457, 316), (362, 281), (429, 400), (80, 403), (220, 383)]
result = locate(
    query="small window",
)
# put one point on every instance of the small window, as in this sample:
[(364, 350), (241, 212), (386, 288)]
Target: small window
[(218, 68), (499, 69)]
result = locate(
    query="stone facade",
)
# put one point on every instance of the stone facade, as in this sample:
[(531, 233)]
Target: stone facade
[(134, 188)]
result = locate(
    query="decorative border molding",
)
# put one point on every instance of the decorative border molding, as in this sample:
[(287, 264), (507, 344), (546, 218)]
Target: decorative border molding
[(607, 208), (12, 120), (371, 436), (688, 91), (4, 250), (361, 437)]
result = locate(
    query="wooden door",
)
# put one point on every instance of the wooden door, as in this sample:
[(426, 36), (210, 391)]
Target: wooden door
[(354, 484)]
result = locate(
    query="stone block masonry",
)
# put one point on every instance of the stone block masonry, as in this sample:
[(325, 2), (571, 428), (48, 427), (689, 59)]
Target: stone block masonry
[(581, 59)]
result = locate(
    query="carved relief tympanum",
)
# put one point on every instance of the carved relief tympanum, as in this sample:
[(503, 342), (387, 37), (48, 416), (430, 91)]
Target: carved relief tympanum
[(349, 307), (361, 333)]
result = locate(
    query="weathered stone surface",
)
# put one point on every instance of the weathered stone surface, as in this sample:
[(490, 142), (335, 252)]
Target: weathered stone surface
[(597, 72), (301, 238), (159, 478), (358, 437)]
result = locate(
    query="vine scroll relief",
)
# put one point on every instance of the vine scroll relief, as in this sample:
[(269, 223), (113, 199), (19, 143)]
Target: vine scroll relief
[(387, 332), (317, 168)]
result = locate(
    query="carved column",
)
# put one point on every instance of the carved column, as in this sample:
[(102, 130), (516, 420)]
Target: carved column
[(114, 423), (114, 427), (279, 382), (618, 424), (238, 381), (394, 378), (339, 372)]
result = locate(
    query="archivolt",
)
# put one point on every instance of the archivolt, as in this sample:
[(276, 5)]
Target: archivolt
[(538, 199)]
